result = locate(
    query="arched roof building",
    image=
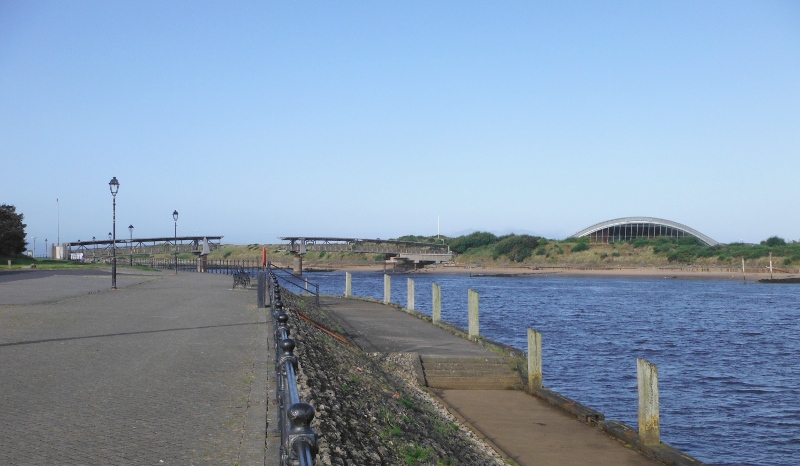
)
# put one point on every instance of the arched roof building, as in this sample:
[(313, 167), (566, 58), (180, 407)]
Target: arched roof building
[(631, 228)]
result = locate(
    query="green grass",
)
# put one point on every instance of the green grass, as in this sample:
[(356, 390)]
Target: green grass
[(20, 262)]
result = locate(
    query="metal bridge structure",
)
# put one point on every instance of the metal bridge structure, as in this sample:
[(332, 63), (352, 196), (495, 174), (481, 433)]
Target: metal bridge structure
[(101, 249), (408, 252)]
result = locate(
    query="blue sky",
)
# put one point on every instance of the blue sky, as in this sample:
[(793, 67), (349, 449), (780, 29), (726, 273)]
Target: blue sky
[(370, 119)]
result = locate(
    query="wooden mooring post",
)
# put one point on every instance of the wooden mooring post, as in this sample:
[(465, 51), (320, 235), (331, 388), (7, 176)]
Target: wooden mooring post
[(348, 284), (410, 295), (649, 420), (474, 320), (437, 303), (534, 359), (387, 289)]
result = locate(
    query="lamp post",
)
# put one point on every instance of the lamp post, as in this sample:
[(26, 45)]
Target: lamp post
[(113, 185), (130, 228), (47, 253), (175, 217), (34, 247), (94, 250)]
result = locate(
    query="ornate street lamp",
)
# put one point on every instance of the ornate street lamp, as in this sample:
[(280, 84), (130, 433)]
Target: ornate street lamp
[(130, 228), (175, 217), (94, 251), (113, 185)]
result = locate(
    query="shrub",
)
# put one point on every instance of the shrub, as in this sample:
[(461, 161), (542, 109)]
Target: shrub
[(663, 247), (516, 247), (581, 246), (774, 241), (603, 256), (461, 244)]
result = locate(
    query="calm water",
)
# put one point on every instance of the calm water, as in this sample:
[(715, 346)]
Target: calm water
[(726, 351)]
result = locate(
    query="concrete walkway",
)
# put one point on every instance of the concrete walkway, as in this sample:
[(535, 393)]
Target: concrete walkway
[(524, 428), (168, 369)]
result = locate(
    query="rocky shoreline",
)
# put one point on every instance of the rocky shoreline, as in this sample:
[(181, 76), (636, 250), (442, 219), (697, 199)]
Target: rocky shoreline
[(370, 409)]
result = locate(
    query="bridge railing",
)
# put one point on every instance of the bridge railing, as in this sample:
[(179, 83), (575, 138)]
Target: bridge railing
[(298, 440)]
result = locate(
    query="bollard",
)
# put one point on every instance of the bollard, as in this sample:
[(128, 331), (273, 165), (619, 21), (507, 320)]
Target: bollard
[(534, 359), (649, 421), (387, 289), (437, 304), (474, 324), (262, 289), (410, 296), (348, 284), (9, 263)]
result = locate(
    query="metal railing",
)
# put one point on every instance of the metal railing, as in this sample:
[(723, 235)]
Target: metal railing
[(298, 440), (294, 282)]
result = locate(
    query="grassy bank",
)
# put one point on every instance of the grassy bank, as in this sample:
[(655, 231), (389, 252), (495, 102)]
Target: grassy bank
[(530, 251)]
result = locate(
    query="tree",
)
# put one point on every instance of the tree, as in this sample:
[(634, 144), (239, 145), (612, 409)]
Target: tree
[(12, 231), (774, 241)]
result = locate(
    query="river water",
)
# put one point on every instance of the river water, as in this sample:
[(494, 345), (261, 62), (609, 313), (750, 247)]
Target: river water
[(727, 351)]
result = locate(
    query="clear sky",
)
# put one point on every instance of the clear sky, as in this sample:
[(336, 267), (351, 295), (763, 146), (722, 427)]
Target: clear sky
[(371, 119)]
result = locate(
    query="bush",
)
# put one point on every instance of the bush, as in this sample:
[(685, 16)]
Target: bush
[(581, 246), (774, 241), (663, 247), (461, 244), (516, 247)]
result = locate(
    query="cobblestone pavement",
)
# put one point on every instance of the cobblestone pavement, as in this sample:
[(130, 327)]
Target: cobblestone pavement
[(160, 371)]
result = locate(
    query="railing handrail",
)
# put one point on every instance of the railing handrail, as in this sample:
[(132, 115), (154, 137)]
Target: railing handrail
[(298, 440), (292, 279)]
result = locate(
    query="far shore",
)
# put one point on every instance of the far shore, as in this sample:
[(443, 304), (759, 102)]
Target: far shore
[(696, 273)]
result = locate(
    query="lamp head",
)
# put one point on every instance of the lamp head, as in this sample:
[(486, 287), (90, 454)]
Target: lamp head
[(113, 185), (130, 228), (175, 215)]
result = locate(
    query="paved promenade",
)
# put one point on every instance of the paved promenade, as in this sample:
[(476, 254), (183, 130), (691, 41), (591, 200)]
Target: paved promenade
[(524, 428), (168, 369)]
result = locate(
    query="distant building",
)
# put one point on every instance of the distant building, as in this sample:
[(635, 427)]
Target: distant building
[(631, 228)]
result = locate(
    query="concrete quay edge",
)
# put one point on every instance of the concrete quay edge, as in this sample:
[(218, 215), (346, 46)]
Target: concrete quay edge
[(662, 452)]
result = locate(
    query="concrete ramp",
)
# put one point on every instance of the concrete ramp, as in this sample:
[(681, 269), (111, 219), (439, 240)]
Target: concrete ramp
[(470, 373)]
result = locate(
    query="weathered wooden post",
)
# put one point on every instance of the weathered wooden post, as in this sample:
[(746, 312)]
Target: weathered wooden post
[(534, 359), (348, 284), (387, 289), (410, 295), (474, 324), (649, 421), (297, 265), (437, 304)]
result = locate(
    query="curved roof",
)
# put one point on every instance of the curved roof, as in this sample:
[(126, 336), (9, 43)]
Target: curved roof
[(653, 220)]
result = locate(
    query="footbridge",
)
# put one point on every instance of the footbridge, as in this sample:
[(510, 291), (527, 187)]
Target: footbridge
[(408, 252), (102, 249)]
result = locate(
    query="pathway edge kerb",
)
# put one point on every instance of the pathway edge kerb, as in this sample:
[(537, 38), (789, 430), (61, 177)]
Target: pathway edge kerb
[(617, 430)]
